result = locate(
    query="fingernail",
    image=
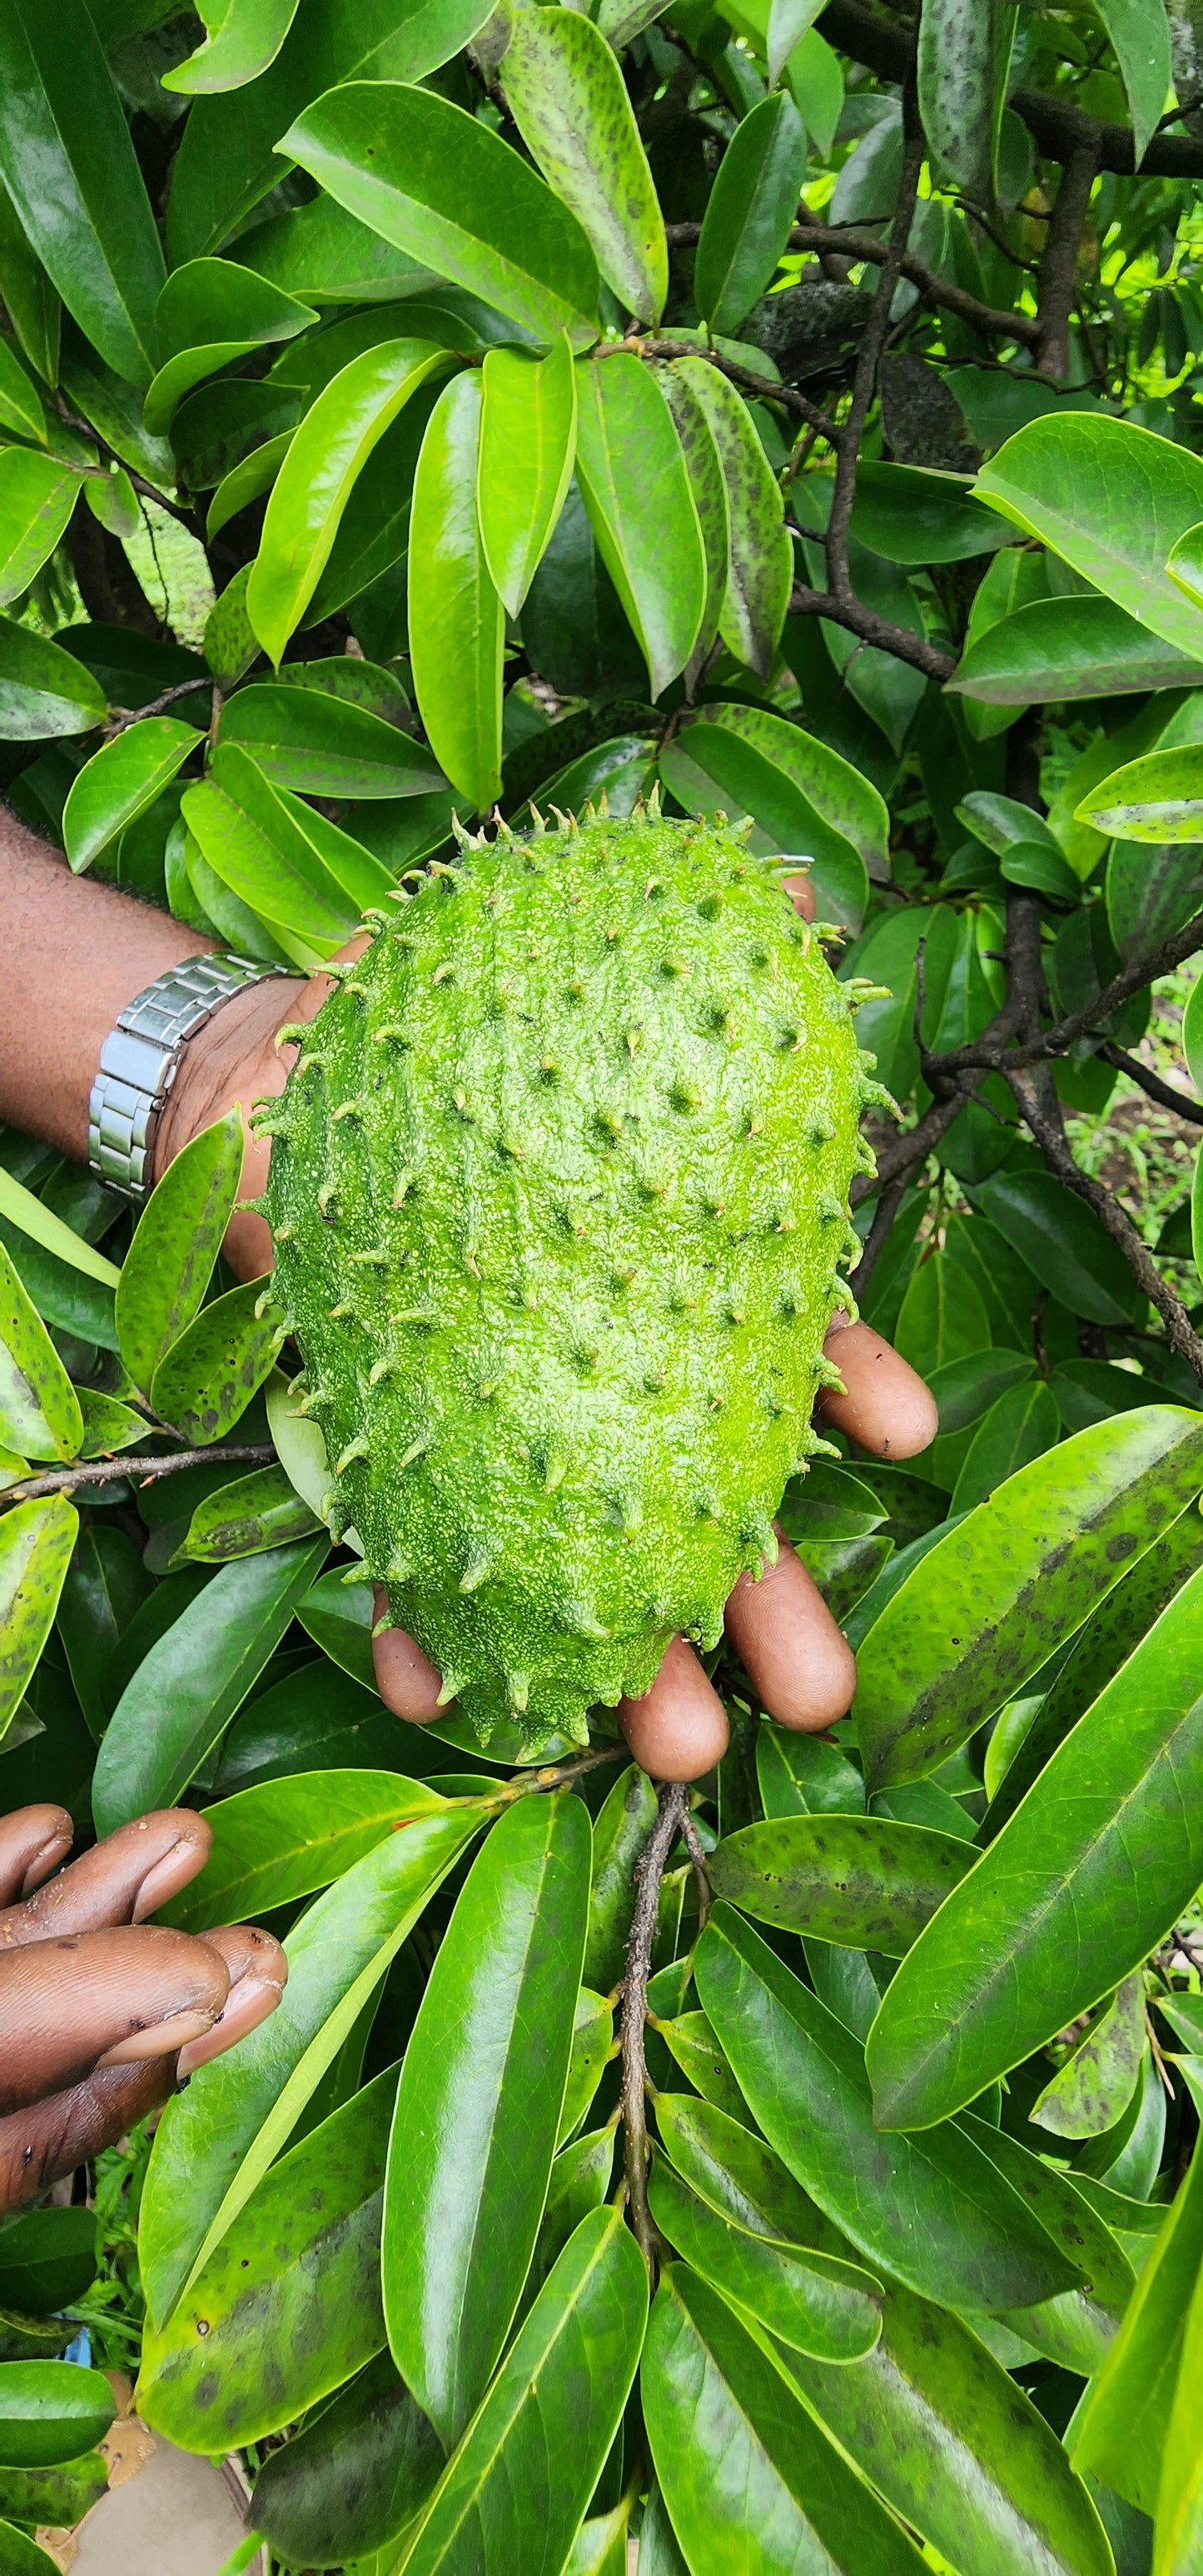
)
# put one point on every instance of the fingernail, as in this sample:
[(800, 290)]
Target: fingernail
[(48, 1858), (160, 2039), (165, 1879), (247, 2004)]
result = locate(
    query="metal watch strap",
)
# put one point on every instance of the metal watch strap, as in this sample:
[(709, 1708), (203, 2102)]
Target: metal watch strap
[(141, 1057)]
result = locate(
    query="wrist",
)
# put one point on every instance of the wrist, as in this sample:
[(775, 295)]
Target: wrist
[(232, 1062)]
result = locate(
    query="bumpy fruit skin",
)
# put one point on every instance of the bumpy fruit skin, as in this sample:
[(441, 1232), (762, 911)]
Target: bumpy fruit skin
[(558, 1188)]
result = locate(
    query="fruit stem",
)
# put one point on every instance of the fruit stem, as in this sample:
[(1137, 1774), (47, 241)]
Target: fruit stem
[(673, 1799)]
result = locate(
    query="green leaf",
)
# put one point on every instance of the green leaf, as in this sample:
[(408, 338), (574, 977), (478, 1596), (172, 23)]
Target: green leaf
[(592, 2045), (30, 1215), (801, 1775), (243, 38), (179, 1234), (210, 313), (1064, 1242), (354, 2479), (68, 163), (324, 746), (51, 2411), (816, 2303), (636, 486), (36, 1540), (456, 620), (600, 2547), (986, 1606), (751, 208), (479, 2103), (1179, 2529), (446, 189), (964, 54), (760, 562), (709, 767), (692, 2045), (529, 2462), (257, 1511), (106, 1585), (1112, 499), (1076, 2328), (843, 799), (295, 2279), (22, 2557), (58, 2497), (215, 2142), (942, 1318), (37, 497), (860, 1881), (619, 1835), (283, 1840), (527, 452), (33, 309), (39, 1408), (1120, 2434), (709, 491), (1109, 1834), (1094, 2087), (275, 854), (1159, 798), (121, 782), (569, 101), (317, 477), (749, 2479), (245, 482), (191, 1683), (43, 690), (933, 2209), (914, 515), (1068, 648), (1020, 1426), (47, 2258), (1140, 39), (931, 2419)]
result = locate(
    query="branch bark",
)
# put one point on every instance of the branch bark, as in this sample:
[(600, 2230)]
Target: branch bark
[(133, 1463), (851, 243), (864, 382), (674, 1807), (1059, 265), (1162, 1092), (851, 613), (986, 1054)]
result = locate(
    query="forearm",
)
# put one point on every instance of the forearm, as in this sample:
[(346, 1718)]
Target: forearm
[(74, 953)]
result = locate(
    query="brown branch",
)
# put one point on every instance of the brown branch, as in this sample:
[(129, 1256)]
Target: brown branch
[(124, 717), (1059, 263), (1050, 1137), (1162, 1092), (851, 613), (1055, 124), (673, 1808), (556, 1774), (985, 1053), (146, 1471), (873, 340), (693, 1845), (853, 244), (763, 388)]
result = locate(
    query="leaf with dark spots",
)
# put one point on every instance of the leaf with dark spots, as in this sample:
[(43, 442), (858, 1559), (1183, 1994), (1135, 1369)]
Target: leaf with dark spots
[(861, 1881)]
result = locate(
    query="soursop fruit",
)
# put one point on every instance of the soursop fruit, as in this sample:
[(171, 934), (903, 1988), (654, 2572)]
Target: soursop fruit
[(558, 1189)]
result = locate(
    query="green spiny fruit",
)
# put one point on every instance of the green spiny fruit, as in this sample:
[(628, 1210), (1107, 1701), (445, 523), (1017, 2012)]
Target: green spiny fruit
[(558, 1188)]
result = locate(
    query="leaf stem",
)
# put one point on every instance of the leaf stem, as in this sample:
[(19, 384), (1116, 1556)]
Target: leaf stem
[(649, 1870)]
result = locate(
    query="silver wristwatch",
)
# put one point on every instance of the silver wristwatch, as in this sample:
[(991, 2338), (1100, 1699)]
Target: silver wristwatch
[(140, 1059)]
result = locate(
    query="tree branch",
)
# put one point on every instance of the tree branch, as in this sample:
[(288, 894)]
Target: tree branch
[(853, 244), (674, 1806), (1059, 264), (144, 1470), (124, 717), (934, 663), (864, 382), (986, 1054), (1162, 1092)]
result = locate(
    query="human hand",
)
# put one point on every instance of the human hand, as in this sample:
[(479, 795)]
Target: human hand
[(795, 1656), (102, 2012)]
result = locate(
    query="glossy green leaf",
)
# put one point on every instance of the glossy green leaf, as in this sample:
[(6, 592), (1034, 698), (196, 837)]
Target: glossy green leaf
[(37, 497), (242, 38), (354, 2479), (710, 768), (297, 2279), (691, 2043), (1112, 499), (636, 486), (963, 58), (189, 1686), (752, 2485), (47, 2258), (592, 2044), (958, 2450), (21, 2555), (760, 562), (34, 308), (1069, 648), (478, 2108), (1178, 2535), (709, 491), (843, 799), (860, 1881), (210, 313), (1159, 798), (275, 853), (1064, 1242), (1094, 2087), (1120, 2435), (932, 2209), (21, 406), (816, 2303), (170, 1261), (68, 164), (1140, 38), (43, 690), (39, 1409), (287, 1838), (51, 2411), (456, 620), (315, 481), (569, 101), (985, 1607), (800, 1775), (619, 1835), (257, 1511), (120, 782), (36, 1540), (105, 1587), (446, 189), (215, 2142), (1075, 2328), (751, 207), (527, 451), (600, 2547), (324, 746), (1109, 1835), (914, 515), (530, 2460), (56, 2497), (1020, 1426)]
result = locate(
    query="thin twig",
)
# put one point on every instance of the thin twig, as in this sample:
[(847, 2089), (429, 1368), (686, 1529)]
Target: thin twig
[(852, 243), (864, 382), (1059, 264), (872, 629), (673, 1808), (143, 1470), (693, 1845), (989, 1055), (556, 1774), (1162, 1092), (124, 717)]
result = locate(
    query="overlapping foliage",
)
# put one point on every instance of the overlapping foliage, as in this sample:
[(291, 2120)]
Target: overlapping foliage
[(397, 419)]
